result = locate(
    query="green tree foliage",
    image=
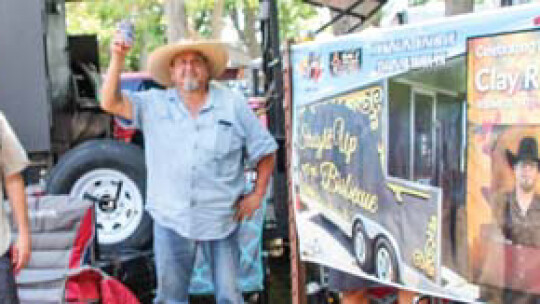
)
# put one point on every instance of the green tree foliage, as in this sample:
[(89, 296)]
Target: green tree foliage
[(417, 2), (100, 17), (293, 15)]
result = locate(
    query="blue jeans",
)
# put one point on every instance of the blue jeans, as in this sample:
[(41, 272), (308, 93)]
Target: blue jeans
[(175, 258), (8, 289)]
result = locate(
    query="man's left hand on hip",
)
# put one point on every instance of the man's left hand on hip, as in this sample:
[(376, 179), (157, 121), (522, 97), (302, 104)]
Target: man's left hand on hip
[(246, 206)]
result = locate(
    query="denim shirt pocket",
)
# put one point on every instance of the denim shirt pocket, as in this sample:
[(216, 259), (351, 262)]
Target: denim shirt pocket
[(223, 137), (227, 143)]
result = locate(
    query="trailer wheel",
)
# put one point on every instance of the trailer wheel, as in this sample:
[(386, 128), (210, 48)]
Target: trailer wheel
[(362, 247), (113, 175), (386, 268)]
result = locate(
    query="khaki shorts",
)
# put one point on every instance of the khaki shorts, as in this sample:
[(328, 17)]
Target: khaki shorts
[(8, 289)]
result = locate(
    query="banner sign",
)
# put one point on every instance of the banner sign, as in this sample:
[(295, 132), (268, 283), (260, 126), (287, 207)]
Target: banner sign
[(347, 62), (503, 204), (406, 139), (342, 187)]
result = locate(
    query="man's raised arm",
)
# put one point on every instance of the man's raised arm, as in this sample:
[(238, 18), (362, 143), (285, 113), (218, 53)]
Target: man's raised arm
[(112, 100)]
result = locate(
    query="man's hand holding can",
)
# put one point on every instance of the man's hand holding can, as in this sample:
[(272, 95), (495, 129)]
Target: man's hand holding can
[(123, 39)]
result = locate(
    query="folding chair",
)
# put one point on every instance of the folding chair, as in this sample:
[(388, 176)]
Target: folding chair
[(63, 231)]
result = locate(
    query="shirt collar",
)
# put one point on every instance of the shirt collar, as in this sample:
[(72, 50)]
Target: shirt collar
[(211, 100), (174, 97), (535, 204)]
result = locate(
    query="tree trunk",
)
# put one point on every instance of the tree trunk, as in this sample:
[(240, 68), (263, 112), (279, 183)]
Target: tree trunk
[(175, 12), (247, 34), (250, 36), (456, 7), (217, 18)]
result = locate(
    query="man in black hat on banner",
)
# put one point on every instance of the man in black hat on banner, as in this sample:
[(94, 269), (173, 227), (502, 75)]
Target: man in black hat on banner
[(518, 213)]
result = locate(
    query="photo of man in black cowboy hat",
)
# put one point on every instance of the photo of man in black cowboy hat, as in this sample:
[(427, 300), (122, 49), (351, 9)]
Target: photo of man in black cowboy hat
[(517, 213)]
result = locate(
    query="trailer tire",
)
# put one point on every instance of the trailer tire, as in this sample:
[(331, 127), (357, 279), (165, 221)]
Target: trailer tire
[(95, 169), (362, 247), (386, 266)]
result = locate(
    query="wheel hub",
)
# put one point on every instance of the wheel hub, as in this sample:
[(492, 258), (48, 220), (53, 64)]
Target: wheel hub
[(107, 204), (119, 203), (384, 265)]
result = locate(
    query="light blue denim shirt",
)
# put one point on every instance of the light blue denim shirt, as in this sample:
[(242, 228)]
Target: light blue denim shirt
[(196, 166)]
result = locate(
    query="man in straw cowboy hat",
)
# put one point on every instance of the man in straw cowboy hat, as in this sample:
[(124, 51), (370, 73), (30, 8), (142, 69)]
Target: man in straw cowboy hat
[(197, 136), (517, 213)]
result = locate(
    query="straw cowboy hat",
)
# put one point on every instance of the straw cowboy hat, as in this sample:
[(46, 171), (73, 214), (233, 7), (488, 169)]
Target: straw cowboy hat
[(528, 150), (159, 61)]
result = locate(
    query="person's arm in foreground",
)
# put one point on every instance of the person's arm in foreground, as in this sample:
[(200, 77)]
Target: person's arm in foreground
[(16, 195)]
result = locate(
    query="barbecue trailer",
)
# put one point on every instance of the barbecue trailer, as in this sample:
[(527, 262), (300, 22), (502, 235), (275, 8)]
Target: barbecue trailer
[(398, 145)]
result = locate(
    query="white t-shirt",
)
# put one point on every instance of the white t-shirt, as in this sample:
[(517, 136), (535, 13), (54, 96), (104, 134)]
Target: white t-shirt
[(13, 160)]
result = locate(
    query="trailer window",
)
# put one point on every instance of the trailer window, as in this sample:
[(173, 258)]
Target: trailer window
[(412, 134), (423, 137), (399, 130)]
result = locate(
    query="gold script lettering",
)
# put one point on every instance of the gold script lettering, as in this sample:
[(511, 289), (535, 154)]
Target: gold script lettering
[(333, 182)]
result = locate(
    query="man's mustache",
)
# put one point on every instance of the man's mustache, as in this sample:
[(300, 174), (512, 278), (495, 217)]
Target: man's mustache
[(191, 84)]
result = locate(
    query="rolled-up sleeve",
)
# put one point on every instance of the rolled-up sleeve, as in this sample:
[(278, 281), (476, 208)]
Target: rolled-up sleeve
[(139, 102), (259, 142), (13, 155)]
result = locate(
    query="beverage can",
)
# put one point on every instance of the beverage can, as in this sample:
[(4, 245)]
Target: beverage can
[(127, 31)]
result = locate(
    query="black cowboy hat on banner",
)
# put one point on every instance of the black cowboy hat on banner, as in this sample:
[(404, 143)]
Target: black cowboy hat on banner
[(528, 150)]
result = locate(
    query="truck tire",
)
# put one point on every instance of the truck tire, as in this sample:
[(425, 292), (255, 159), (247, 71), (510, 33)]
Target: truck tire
[(113, 175)]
